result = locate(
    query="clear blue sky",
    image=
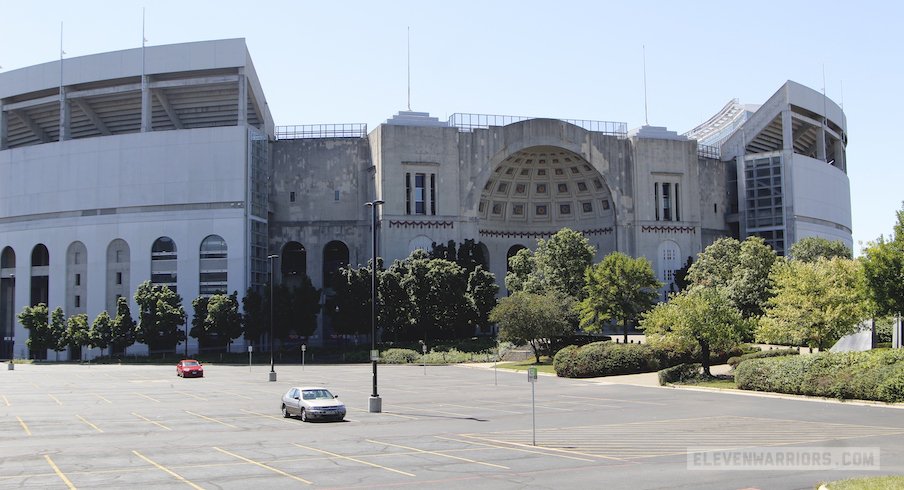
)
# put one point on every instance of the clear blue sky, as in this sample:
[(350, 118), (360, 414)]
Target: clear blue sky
[(335, 62)]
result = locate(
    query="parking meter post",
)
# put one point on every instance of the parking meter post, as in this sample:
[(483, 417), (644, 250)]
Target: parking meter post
[(532, 378), (250, 349), (303, 348)]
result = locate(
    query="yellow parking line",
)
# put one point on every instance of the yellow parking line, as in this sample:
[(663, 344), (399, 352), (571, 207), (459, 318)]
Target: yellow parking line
[(89, 423), (210, 419), (151, 421), (24, 426), (262, 465), (513, 448), (454, 414), (238, 395), (518, 444), (262, 414), (385, 413), (615, 400), (59, 473), (55, 399), (149, 398), (167, 470), (439, 454), (102, 398), (6, 401), (355, 460)]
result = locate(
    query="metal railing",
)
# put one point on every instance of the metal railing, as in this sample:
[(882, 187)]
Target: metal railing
[(470, 122), (707, 151), (344, 130)]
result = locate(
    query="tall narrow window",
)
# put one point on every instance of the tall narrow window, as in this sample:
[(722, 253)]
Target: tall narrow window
[(420, 203), (292, 196), (213, 265), (666, 202), (78, 279), (677, 207), (433, 194), (656, 199), (407, 193)]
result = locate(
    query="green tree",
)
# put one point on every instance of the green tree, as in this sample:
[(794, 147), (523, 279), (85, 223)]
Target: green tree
[(741, 269), (198, 327), (223, 321), (123, 329), (58, 331), (394, 313), (482, 291), (883, 266), (101, 333), (560, 262), (35, 320), (619, 288), (255, 319), (77, 331), (519, 276), (534, 319), (350, 304), (815, 303), (305, 307), (437, 290), (698, 317), (159, 318), (811, 249)]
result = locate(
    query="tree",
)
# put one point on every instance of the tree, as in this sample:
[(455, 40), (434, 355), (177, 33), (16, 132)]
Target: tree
[(811, 249), (560, 262), (198, 328), (437, 294), (519, 275), (883, 266), (619, 288), (160, 315), (394, 313), (77, 331), (58, 331), (350, 304), (256, 318), (101, 332), (223, 321), (34, 318), (815, 303), (528, 318), (681, 279), (305, 307), (482, 290), (123, 328), (741, 269), (700, 316)]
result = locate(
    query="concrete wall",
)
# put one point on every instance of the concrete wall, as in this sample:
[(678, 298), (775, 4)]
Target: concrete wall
[(822, 201)]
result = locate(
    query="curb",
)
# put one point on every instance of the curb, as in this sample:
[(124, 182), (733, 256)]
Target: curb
[(784, 396)]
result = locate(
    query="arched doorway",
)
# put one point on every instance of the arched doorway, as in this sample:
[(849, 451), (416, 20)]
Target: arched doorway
[(40, 279), (335, 257), (294, 264)]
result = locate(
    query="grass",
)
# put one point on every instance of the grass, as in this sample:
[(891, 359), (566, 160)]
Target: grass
[(545, 365), (870, 483)]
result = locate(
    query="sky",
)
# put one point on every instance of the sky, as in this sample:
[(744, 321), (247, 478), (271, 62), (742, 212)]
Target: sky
[(348, 62)]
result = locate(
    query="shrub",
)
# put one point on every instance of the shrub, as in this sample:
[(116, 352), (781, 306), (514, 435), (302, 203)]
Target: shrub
[(605, 359), (399, 356), (734, 361), (680, 373), (452, 356), (872, 375), (565, 362)]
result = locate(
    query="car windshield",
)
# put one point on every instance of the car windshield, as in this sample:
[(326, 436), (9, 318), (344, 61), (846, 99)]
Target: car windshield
[(190, 363), (316, 394)]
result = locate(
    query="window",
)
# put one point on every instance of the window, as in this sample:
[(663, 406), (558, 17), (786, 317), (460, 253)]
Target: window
[(665, 195), (292, 196), (336, 195), (408, 193), (119, 278), (420, 198), (78, 301), (213, 266), (164, 260), (78, 279), (433, 194)]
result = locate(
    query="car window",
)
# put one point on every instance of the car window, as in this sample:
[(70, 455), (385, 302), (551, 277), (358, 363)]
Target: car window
[(317, 395)]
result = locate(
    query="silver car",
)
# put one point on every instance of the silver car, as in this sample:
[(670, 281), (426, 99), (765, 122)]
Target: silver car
[(311, 403)]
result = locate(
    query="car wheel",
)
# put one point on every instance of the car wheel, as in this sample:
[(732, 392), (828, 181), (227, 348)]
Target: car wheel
[(304, 418), (285, 411)]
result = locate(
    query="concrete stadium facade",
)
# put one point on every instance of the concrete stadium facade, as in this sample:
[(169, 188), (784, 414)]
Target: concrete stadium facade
[(164, 164)]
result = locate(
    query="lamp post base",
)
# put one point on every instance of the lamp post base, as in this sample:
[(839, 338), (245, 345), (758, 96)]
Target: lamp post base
[(272, 375), (374, 404)]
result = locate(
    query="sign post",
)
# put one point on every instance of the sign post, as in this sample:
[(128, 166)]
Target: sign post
[(424, 357), (250, 350), (303, 348), (532, 378)]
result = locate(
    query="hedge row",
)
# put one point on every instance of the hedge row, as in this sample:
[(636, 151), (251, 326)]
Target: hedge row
[(872, 375), (608, 359), (734, 361)]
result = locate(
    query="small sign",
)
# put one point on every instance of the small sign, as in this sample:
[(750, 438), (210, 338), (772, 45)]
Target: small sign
[(374, 355), (303, 347), (532, 374), (250, 349)]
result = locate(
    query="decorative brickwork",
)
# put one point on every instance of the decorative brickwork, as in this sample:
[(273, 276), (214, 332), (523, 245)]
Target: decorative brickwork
[(540, 234), (421, 224), (669, 229)]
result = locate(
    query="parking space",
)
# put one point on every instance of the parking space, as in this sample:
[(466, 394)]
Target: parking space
[(94, 426)]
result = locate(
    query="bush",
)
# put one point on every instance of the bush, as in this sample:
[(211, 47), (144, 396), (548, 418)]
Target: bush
[(604, 359), (399, 356), (565, 362), (872, 375), (734, 361), (680, 373), (453, 356)]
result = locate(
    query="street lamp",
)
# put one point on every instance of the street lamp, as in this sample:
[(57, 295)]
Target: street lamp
[(375, 404), (272, 370)]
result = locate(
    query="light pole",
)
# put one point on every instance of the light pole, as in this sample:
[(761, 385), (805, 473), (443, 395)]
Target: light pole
[(375, 404), (271, 258)]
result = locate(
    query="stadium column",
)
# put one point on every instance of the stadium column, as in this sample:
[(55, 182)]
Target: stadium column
[(145, 105), (64, 115), (2, 127), (787, 133), (243, 99)]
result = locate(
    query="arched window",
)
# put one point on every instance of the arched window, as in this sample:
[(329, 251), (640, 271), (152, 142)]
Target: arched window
[(335, 256), (422, 242), (669, 260), (164, 262), (40, 272), (213, 266), (7, 301), (8, 258), (118, 272), (294, 260), (40, 257)]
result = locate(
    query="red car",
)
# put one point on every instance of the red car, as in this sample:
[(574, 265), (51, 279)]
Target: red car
[(189, 368)]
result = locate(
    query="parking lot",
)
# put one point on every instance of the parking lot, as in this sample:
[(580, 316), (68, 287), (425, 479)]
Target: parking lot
[(118, 426)]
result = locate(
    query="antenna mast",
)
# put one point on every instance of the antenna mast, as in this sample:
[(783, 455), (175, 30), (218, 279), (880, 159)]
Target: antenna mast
[(409, 68), (646, 117)]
